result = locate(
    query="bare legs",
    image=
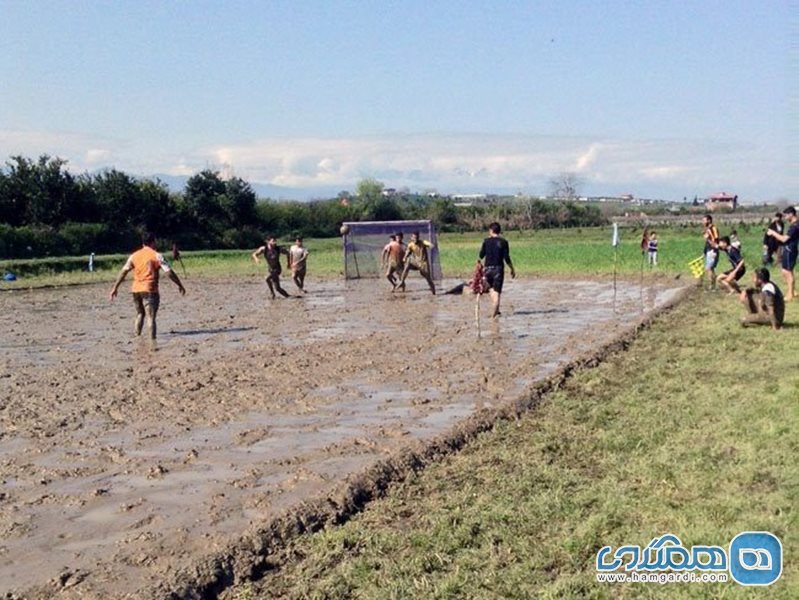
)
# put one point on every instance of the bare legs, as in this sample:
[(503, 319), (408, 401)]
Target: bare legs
[(273, 281), (298, 277), (790, 284), (423, 271), (495, 299), (146, 310)]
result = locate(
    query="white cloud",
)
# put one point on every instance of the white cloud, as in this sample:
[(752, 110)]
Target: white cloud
[(447, 162)]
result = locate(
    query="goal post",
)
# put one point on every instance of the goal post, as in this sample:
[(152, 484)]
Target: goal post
[(365, 240)]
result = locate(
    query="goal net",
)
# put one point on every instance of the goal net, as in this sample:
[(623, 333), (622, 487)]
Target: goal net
[(365, 240)]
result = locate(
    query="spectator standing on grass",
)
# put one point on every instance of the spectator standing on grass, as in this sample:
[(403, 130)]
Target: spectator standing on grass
[(271, 253), (790, 243), (298, 261), (764, 302), (735, 241), (771, 245), (146, 265), (652, 249), (495, 253), (730, 278), (711, 252)]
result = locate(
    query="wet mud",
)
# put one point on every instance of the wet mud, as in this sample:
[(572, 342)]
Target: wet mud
[(132, 471)]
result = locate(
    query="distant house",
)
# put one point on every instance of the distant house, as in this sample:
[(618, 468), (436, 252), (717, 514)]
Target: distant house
[(722, 201)]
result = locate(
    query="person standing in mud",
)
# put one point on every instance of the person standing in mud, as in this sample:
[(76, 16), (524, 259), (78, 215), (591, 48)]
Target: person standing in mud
[(146, 265), (495, 253), (417, 258), (298, 257), (392, 260), (271, 253)]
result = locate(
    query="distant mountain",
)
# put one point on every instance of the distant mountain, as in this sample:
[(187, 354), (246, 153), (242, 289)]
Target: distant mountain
[(177, 183)]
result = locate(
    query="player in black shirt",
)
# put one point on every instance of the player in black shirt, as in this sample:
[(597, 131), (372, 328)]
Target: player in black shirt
[(496, 252)]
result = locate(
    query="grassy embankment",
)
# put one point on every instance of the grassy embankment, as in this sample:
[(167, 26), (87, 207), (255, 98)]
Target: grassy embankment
[(691, 431), (543, 252)]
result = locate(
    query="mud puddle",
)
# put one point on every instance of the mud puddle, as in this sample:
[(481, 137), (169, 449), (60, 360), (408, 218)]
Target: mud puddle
[(120, 465)]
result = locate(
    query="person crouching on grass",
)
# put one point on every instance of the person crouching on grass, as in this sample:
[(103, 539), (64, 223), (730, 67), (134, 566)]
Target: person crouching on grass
[(730, 278), (496, 252), (146, 265), (764, 302)]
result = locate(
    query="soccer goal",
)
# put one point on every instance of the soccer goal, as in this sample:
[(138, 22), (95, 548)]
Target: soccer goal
[(364, 242)]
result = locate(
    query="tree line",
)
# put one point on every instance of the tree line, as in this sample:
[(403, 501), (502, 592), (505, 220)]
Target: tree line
[(47, 211)]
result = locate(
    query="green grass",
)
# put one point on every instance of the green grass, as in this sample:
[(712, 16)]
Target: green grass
[(584, 251), (692, 431)]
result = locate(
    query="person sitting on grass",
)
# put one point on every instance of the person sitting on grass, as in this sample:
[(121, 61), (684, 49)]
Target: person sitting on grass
[(730, 278), (764, 302)]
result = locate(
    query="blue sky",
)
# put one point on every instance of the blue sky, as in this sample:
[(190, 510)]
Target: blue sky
[(658, 99)]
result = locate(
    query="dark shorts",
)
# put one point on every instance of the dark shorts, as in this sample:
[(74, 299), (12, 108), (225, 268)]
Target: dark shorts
[(274, 274), (740, 274), (145, 301), (788, 261), (495, 276)]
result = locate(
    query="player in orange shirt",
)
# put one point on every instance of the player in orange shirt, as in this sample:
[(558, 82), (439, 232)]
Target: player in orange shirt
[(146, 265)]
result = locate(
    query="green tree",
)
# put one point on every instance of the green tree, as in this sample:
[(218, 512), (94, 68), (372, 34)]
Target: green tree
[(369, 190), (38, 192), (203, 197), (238, 202)]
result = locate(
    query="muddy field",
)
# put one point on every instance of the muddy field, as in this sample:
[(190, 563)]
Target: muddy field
[(121, 465)]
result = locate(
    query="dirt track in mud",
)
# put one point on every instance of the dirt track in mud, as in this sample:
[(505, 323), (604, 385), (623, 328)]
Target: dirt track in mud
[(121, 466)]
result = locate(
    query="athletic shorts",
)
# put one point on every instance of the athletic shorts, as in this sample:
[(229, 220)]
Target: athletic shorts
[(495, 276), (740, 274), (146, 300), (788, 261), (711, 260)]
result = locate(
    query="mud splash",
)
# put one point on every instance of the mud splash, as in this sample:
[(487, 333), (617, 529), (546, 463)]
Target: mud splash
[(127, 471)]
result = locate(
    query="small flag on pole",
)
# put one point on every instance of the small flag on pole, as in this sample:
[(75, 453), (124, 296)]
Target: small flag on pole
[(697, 267), (615, 242)]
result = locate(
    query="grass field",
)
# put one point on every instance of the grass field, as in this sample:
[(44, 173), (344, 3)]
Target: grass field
[(691, 431), (586, 251)]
